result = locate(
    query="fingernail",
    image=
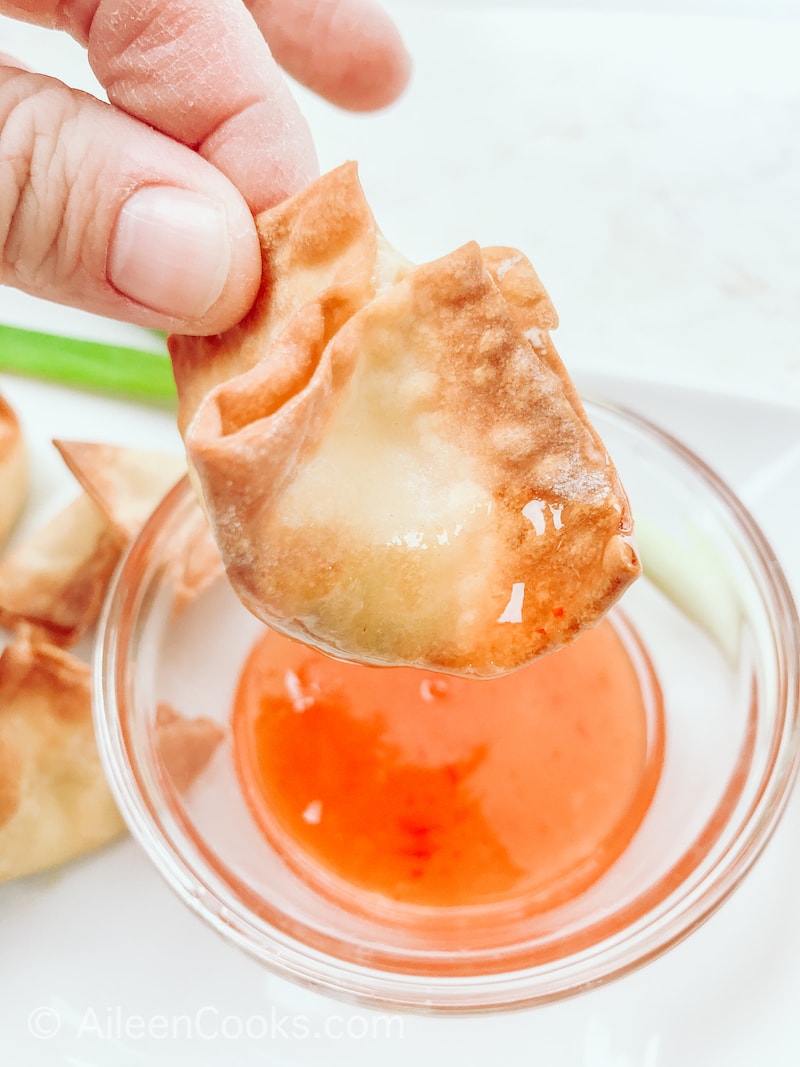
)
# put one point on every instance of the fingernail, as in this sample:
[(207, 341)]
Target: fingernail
[(170, 250)]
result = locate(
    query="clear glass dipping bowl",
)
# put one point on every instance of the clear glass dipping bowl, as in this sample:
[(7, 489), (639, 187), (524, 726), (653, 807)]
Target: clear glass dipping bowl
[(716, 617)]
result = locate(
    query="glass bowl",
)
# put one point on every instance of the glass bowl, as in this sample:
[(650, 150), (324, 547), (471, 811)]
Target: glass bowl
[(717, 626)]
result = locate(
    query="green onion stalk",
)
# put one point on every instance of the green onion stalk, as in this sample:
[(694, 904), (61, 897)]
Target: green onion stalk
[(128, 373)]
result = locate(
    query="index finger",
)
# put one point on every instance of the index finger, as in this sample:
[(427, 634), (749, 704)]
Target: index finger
[(200, 72)]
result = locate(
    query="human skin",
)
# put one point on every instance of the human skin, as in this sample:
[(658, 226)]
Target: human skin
[(141, 208)]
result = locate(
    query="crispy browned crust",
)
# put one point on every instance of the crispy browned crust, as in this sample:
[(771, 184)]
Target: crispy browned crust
[(394, 462)]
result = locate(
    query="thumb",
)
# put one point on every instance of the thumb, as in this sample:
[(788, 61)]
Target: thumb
[(100, 211)]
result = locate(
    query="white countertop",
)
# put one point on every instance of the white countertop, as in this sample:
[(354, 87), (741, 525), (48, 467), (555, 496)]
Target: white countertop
[(649, 165)]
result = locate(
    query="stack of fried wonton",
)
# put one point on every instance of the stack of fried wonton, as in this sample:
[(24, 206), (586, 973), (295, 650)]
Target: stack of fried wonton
[(54, 801)]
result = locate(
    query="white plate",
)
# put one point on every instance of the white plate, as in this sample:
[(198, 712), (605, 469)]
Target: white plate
[(650, 166)]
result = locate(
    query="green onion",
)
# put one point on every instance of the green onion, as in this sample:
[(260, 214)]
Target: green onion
[(130, 373)]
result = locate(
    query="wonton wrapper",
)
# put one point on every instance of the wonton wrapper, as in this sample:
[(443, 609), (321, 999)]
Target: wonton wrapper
[(55, 581), (54, 801), (125, 483), (393, 460), (13, 470)]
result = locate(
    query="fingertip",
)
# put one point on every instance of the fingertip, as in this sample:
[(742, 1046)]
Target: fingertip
[(377, 74), (348, 51), (363, 91)]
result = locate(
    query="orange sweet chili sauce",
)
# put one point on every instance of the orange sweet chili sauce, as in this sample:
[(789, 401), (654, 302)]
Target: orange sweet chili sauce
[(445, 792)]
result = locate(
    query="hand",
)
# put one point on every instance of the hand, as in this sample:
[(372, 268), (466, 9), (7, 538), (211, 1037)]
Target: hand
[(141, 208)]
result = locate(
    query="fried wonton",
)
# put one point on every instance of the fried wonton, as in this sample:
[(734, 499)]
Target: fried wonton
[(125, 483), (394, 462), (55, 580), (13, 470), (54, 801)]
